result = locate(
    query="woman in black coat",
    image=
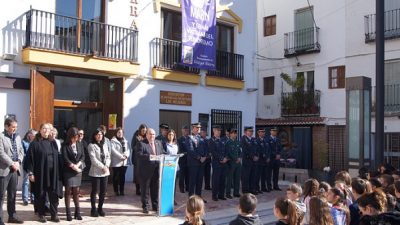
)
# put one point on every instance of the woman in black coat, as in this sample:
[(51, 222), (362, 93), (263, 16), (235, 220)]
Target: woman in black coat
[(73, 157), (44, 171)]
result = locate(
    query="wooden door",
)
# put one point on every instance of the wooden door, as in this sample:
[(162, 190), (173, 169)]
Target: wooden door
[(113, 99), (42, 97), (175, 119)]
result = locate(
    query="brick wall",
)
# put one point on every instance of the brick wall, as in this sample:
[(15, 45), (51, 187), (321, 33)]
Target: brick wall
[(320, 147), (337, 151)]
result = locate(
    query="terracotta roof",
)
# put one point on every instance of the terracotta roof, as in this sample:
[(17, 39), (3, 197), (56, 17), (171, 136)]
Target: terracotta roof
[(291, 121)]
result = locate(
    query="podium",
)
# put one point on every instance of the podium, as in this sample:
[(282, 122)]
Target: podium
[(166, 192)]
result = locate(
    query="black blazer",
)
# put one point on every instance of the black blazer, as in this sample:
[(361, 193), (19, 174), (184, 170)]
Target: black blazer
[(69, 158), (147, 167)]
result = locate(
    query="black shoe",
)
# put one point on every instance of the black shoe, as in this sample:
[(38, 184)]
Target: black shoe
[(14, 220), (254, 192), (222, 198), (25, 203), (122, 193), (137, 192), (94, 213), (145, 211), (259, 192), (69, 217), (236, 195), (55, 219), (42, 219), (277, 189), (117, 193), (101, 212), (215, 199), (229, 196), (77, 216)]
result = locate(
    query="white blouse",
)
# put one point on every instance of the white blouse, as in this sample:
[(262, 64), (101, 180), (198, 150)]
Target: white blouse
[(172, 149)]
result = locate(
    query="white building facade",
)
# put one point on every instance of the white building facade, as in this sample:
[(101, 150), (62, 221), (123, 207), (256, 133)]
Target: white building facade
[(116, 62), (323, 43)]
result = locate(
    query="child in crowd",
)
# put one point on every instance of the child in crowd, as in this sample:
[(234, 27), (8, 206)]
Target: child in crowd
[(319, 212), (285, 212), (311, 188), (397, 193), (358, 188), (324, 187), (247, 208), (293, 193), (339, 211), (375, 183), (194, 211)]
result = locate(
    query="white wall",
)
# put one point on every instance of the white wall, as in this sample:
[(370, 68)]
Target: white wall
[(15, 102), (330, 18)]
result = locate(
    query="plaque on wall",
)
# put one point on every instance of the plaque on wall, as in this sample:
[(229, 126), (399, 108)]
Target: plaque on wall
[(175, 98)]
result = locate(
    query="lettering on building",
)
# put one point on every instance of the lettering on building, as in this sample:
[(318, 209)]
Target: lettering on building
[(175, 98), (133, 5)]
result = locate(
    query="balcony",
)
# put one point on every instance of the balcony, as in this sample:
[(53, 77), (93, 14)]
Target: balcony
[(300, 103), (392, 25), (392, 99), (166, 54), (46, 30), (301, 42)]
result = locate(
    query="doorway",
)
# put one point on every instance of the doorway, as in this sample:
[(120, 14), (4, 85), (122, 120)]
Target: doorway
[(175, 119)]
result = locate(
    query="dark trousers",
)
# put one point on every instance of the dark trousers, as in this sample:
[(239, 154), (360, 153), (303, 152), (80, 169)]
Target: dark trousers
[(8, 183), (255, 178), (263, 175), (273, 171), (183, 178), (195, 179), (150, 182), (248, 171), (98, 183), (119, 179), (233, 180), (41, 200), (136, 177), (219, 180), (207, 175)]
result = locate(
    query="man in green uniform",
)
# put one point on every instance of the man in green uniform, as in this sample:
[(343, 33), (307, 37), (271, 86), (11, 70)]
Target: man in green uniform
[(235, 164)]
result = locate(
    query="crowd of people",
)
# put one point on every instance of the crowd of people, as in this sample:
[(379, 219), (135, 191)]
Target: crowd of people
[(52, 169)]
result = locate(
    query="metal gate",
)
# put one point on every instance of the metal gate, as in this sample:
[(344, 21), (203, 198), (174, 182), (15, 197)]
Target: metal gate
[(227, 119), (392, 149)]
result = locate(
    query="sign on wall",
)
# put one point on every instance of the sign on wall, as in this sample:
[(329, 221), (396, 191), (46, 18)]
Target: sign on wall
[(175, 98), (199, 33)]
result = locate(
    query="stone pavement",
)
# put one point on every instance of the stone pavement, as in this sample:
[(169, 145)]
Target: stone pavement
[(127, 209)]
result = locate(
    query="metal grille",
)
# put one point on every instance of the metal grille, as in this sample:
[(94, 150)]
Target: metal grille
[(392, 149), (227, 119), (337, 152)]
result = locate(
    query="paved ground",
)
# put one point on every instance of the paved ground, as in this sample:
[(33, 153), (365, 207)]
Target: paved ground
[(127, 209)]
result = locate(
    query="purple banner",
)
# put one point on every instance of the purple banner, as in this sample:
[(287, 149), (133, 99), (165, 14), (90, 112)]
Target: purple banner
[(199, 33)]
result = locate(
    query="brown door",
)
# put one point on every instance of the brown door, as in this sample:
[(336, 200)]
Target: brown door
[(175, 119), (113, 103), (42, 97)]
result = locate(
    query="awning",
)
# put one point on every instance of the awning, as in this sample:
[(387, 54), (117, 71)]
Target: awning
[(291, 121)]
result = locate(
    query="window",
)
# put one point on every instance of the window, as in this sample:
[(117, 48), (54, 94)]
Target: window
[(172, 25), (308, 77), (269, 84), (269, 25), (337, 77), (224, 38), (392, 72)]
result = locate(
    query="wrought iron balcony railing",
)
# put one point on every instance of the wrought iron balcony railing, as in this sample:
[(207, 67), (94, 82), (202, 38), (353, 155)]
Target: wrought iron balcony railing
[(392, 25), (300, 103), (46, 30), (167, 54), (392, 99), (229, 65), (302, 41)]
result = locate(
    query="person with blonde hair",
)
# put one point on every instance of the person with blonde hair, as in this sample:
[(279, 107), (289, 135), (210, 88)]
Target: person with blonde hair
[(319, 212), (194, 211)]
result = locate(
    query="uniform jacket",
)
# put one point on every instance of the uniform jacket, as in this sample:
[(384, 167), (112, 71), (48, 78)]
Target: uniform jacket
[(69, 158), (263, 150), (218, 150), (96, 167), (248, 149), (147, 167), (6, 153), (182, 149), (195, 146), (275, 146), (234, 151), (117, 153)]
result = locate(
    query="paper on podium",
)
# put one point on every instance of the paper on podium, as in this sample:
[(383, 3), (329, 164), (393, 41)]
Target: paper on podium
[(155, 157)]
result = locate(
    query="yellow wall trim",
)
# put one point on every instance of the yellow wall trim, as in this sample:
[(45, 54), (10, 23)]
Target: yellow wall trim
[(79, 62), (169, 75), (224, 82)]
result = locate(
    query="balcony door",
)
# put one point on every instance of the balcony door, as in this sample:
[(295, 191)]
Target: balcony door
[(78, 26), (303, 29)]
